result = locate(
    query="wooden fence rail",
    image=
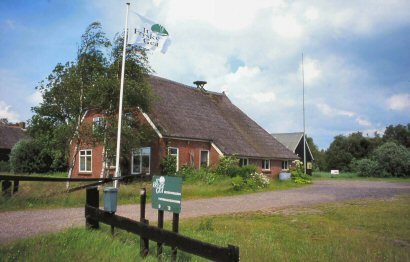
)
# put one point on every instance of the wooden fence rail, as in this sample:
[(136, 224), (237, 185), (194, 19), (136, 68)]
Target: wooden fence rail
[(193, 246)]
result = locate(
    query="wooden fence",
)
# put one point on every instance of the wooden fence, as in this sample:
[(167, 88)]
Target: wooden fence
[(94, 215)]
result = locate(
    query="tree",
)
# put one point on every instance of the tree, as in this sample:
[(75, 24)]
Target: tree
[(393, 159), (399, 134), (27, 156), (318, 155), (91, 82)]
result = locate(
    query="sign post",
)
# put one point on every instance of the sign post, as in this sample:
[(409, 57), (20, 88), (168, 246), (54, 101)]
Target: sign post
[(166, 193), (166, 196)]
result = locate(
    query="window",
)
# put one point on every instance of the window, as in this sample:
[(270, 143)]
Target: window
[(85, 160), (265, 164), (285, 165), (204, 158), (243, 162), (173, 151), (98, 122), (141, 160)]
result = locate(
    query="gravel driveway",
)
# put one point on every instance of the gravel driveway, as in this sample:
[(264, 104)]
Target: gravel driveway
[(23, 224)]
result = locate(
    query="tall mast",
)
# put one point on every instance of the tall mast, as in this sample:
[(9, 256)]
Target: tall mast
[(117, 156), (304, 127)]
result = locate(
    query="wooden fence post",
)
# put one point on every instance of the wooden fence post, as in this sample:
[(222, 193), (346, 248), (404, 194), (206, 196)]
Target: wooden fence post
[(16, 186), (144, 242), (233, 253), (92, 199), (175, 225), (160, 225), (6, 188)]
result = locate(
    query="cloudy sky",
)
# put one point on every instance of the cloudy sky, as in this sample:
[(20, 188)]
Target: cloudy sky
[(356, 56)]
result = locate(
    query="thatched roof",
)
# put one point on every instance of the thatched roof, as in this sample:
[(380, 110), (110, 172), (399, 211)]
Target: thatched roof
[(9, 136), (182, 111)]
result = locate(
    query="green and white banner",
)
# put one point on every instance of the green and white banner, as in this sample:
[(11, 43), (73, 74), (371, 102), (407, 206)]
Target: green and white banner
[(147, 34)]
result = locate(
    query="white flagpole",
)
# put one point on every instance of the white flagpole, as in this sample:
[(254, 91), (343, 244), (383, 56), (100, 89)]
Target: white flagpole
[(304, 129), (117, 156)]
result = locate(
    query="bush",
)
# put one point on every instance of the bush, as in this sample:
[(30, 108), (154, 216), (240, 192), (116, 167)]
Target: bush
[(253, 182), (169, 165), (393, 159), (189, 173), (367, 168), (28, 156), (4, 166), (298, 174), (238, 183), (227, 165)]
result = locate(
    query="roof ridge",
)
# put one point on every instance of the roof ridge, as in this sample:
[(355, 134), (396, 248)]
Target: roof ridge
[(186, 86)]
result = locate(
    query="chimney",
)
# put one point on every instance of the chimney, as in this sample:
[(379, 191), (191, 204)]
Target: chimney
[(200, 85)]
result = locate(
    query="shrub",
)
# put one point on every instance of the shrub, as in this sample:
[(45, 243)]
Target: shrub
[(238, 183), (28, 156), (169, 165), (227, 165), (253, 182), (4, 166), (298, 174), (393, 159), (189, 173), (367, 167)]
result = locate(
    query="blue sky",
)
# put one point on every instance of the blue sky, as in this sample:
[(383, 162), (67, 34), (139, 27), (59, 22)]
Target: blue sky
[(356, 56)]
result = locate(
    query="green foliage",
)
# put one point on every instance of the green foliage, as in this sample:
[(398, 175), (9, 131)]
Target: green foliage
[(4, 166), (298, 175), (253, 181), (227, 165), (28, 156), (169, 165), (368, 168), (393, 159), (204, 175), (238, 183), (91, 82), (399, 134)]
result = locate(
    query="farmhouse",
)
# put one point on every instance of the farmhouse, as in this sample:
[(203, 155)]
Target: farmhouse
[(10, 134), (197, 127), (294, 142)]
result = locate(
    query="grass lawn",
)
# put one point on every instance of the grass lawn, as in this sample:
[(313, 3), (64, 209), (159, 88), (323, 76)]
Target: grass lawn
[(350, 175), (36, 195), (359, 230)]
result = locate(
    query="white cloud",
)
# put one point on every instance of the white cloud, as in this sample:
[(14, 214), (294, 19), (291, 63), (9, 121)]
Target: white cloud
[(6, 112), (35, 99), (311, 70), (312, 14), (327, 110), (287, 26), (399, 102), (363, 122)]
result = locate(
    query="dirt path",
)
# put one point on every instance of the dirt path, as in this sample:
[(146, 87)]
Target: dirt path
[(23, 224)]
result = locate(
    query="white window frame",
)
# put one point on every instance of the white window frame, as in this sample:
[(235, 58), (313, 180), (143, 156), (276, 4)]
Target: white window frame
[(286, 165), (200, 156), (244, 160), (138, 152), (177, 155), (85, 163), (268, 161)]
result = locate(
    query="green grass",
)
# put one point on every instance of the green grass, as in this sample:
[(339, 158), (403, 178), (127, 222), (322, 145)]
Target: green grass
[(35, 195), (351, 175), (359, 230)]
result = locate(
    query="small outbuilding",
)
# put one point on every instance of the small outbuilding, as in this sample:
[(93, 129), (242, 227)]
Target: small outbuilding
[(294, 142)]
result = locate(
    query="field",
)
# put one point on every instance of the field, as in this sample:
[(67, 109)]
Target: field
[(360, 230), (350, 175), (34, 195)]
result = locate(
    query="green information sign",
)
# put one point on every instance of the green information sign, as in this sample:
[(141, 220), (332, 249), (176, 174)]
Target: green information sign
[(166, 193)]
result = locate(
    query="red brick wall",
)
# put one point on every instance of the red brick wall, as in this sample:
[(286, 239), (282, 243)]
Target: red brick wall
[(275, 167), (96, 159)]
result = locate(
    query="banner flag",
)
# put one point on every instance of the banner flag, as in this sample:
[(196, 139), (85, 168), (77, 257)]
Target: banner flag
[(147, 34)]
